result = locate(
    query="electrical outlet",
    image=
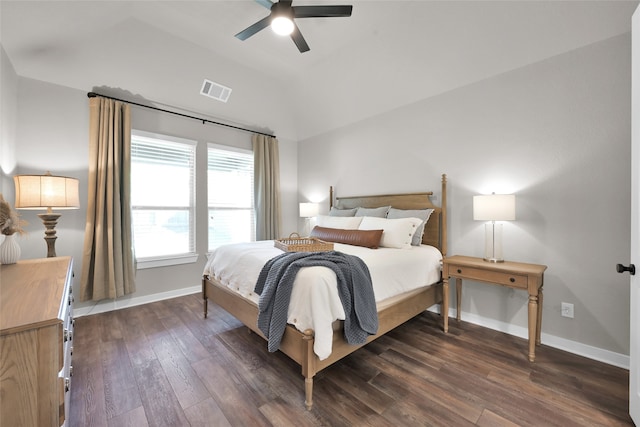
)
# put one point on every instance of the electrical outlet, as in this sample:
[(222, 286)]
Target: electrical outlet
[(567, 310)]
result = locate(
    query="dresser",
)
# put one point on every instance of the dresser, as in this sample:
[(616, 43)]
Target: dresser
[(36, 342)]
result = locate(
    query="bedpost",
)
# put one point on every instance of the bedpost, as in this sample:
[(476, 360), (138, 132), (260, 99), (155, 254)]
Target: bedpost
[(308, 367), (443, 233), (444, 308), (204, 294), (330, 197)]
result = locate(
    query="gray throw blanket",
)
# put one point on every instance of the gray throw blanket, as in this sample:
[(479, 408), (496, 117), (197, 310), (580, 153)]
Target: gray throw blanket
[(275, 284)]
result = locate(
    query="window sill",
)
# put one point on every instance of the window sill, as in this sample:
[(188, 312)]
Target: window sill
[(153, 262)]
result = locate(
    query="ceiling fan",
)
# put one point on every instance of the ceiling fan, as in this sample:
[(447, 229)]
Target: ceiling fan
[(282, 17)]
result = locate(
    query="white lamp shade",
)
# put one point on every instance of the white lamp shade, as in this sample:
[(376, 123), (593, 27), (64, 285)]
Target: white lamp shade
[(46, 191), (494, 207), (308, 210)]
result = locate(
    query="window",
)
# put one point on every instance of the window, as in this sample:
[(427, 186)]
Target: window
[(230, 198), (162, 196)]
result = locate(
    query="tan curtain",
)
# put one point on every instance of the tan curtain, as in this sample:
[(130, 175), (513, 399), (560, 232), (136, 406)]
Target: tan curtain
[(266, 175), (108, 264)]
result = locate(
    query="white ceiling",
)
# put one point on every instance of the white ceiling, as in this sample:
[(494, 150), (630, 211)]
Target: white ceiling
[(386, 55)]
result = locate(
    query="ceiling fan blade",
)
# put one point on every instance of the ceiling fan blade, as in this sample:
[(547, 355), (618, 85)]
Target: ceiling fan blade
[(321, 11), (252, 29), (265, 3), (297, 38)]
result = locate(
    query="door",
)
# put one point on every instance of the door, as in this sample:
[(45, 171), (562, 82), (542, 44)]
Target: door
[(634, 334)]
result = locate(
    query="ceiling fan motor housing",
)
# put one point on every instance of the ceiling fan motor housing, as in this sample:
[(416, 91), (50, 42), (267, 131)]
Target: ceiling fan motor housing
[(281, 10)]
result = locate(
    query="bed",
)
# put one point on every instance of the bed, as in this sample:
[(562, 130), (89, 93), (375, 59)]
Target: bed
[(298, 344)]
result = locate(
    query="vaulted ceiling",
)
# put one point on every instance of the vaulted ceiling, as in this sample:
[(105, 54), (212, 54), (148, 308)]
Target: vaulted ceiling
[(386, 55)]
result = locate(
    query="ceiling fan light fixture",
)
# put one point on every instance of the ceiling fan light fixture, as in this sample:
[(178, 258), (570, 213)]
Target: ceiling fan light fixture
[(281, 19), (282, 25)]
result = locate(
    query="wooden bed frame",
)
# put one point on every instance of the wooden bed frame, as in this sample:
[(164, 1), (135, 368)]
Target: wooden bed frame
[(299, 345)]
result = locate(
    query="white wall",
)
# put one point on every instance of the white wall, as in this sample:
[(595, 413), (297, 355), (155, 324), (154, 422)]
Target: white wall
[(8, 112), (53, 129), (555, 133)]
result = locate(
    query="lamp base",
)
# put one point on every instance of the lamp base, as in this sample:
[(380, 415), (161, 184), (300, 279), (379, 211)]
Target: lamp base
[(50, 220), (493, 242)]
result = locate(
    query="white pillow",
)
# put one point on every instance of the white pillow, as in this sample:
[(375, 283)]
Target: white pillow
[(423, 214), (397, 233), (343, 222)]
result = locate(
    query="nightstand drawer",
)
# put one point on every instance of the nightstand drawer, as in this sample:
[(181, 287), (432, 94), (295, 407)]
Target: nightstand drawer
[(508, 279)]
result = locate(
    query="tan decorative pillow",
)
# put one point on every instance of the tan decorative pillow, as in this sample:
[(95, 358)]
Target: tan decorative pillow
[(366, 238)]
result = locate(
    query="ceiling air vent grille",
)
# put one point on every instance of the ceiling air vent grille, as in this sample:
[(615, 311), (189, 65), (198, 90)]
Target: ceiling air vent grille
[(215, 90)]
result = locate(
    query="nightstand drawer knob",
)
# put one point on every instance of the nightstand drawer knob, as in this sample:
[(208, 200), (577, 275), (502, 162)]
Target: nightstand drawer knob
[(459, 271), (512, 280)]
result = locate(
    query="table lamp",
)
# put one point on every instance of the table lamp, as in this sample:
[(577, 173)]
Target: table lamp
[(494, 207), (47, 192), (308, 211)]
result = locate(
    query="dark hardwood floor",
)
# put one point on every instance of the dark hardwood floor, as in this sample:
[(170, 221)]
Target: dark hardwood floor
[(163, 364)]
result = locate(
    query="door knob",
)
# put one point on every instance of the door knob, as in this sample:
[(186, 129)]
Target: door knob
[(621, 269)]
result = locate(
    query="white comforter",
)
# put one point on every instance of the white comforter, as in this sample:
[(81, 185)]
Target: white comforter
[(315, 303)]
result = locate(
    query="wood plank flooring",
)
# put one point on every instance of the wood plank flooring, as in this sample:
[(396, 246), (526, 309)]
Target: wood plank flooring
[(163, 364)]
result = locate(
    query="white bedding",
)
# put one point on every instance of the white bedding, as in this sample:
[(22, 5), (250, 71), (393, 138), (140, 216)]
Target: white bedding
[(315, 303)]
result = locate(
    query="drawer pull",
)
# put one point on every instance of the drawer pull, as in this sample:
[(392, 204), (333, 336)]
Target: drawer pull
[(65, 335), (67, 385), (512, 280), (70, 371), (459, 271), (71, 351)]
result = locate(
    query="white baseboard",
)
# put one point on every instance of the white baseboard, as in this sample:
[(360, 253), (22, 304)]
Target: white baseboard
[(110, 305), (595, 353)]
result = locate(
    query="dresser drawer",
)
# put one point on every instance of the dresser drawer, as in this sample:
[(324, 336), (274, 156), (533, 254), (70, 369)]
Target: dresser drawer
[(498, 277)]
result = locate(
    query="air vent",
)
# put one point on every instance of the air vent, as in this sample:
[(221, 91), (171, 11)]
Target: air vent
[(215, 90)]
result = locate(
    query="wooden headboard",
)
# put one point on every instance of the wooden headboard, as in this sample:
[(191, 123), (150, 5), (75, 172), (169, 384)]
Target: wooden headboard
[(435, 232)]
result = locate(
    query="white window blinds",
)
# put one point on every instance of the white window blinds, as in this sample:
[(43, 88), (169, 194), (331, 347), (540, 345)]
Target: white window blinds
[(162, 195), (230, 196)]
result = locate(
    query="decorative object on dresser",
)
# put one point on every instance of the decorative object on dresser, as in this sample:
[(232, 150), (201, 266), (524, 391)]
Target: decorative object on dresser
[(10, 225), (517, 275), (36, 342), (47, 192), (494, 207), (9, 250)]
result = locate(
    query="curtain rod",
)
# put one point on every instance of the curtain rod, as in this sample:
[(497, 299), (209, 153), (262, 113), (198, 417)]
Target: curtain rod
[(93, 95)]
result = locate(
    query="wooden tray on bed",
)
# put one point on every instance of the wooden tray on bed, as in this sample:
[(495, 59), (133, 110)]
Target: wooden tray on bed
[(295, 243)]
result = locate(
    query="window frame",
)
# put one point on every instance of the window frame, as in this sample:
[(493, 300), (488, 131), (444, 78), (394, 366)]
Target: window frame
[(178, 258)]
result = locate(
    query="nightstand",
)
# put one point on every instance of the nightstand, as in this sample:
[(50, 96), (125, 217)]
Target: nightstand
[(517, 275)]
